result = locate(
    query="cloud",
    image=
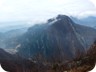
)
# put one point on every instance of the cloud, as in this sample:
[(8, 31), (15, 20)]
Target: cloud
[(94, 2), (86, 14), (11, 10)]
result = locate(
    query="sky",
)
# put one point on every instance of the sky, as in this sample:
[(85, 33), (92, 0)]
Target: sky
[(40, 10)]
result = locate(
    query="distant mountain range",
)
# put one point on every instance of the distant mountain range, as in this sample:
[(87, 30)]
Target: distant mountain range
[(87, 21), (7, 26), (10, 37)]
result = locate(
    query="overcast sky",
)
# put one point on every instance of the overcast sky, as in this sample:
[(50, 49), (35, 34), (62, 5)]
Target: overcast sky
[(39, 10)]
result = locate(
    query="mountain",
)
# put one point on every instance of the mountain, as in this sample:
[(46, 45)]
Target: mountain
[(87, 21), (8, 26), (58, 40), (10, 37), (10, 31), (15, 63), (4, 55), (56, 46)]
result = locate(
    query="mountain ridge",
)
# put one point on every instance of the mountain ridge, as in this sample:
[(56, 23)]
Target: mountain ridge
[(60, 40)]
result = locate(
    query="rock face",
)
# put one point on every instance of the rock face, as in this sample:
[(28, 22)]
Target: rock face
[(59, 40)]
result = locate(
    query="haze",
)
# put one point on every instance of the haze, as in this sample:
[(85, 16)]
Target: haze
[(40, 10)]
